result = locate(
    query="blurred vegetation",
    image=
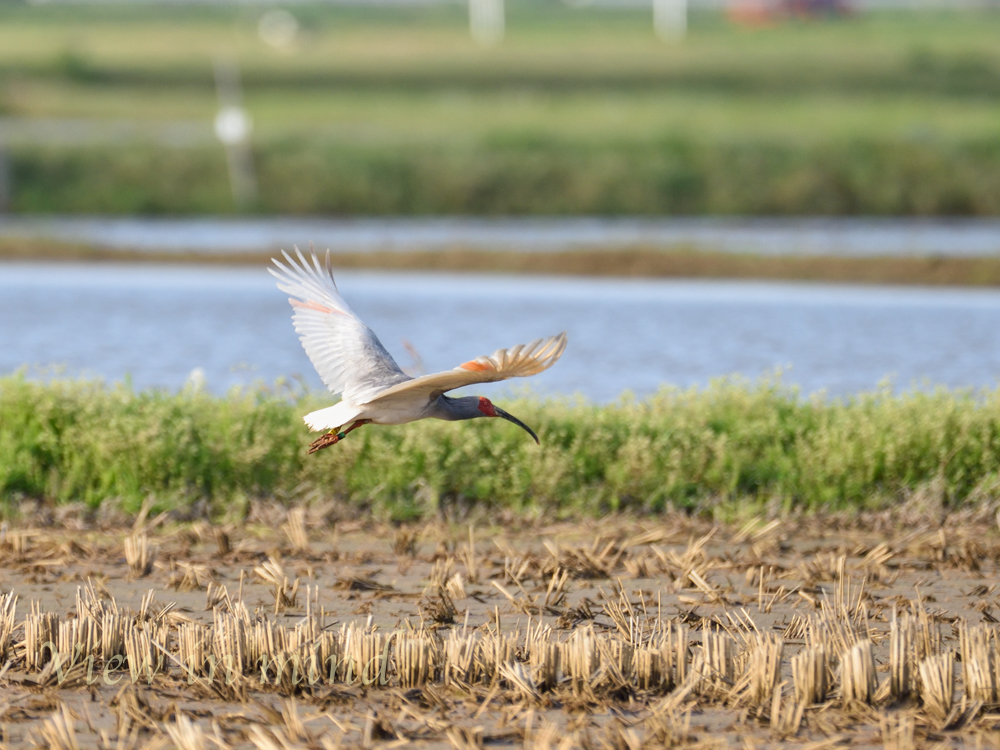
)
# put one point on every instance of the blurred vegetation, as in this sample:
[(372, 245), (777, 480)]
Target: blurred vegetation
[(527, 177), (732, 445), (390, 110)]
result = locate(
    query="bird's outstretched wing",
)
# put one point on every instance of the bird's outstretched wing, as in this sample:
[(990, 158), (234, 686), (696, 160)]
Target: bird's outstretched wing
[(346, 353), (517, 362)]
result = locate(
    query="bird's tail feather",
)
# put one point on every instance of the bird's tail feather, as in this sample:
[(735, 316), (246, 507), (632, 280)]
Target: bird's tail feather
[(332, 416)]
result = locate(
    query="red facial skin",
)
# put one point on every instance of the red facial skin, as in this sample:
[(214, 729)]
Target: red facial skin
[(486, 407)]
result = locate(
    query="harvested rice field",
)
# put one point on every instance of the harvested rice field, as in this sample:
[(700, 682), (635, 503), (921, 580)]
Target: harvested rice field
[(294, 629)]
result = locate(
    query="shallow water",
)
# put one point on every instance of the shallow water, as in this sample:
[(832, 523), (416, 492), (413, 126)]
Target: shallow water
[(157, 324), (855, 237)]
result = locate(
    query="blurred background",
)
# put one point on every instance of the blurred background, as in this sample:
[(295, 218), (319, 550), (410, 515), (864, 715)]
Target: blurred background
[(817, 140), (675, 107)]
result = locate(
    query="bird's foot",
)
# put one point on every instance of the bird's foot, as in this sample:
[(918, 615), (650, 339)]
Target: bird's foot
[(330, 438)]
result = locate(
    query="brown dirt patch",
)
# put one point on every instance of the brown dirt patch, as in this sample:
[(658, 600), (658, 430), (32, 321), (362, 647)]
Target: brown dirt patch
[(638, 262), (670, 632)]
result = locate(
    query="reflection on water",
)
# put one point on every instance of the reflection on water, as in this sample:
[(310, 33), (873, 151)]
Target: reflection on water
[(158, 323)]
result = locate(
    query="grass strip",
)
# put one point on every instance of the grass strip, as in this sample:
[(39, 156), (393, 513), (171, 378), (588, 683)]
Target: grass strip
[(734, 443), (548, 46), (524, 177)]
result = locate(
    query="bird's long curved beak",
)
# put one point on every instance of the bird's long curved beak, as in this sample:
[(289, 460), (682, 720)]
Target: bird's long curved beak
[(501, 413)]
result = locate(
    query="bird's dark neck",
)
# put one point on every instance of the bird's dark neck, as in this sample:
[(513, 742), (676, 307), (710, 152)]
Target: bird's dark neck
[(455, 409)]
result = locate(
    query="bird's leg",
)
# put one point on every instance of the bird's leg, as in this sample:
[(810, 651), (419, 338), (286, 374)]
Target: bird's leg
[(334, 437), (325, 441), (356, 425)]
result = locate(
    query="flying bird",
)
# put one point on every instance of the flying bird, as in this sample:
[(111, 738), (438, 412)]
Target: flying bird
[(352, 362)]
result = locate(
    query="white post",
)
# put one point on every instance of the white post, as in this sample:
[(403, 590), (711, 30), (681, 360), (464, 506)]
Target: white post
[(670, 19), (6, 189), (486, 21), (232, 128)]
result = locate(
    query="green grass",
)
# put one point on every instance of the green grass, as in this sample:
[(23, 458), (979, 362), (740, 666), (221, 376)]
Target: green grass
[(526, 176), (547, 44), (395, 110), (732, 445)]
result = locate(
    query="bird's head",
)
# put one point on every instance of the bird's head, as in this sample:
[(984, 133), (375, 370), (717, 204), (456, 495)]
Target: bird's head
[(487, 409)]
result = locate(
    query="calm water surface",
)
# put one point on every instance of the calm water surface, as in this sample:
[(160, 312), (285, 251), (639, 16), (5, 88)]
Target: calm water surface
[(841, 236), (157, 324)]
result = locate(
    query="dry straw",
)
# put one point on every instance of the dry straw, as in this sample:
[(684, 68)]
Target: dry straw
[(455, 587), (615, 664), (495, 649), (519, 679), (648, 665), (416, 658), (644, 655), (717, 663), (619, 736), (898, 731), (785, 723), (857, 673), (580, 656), (144, 648), (438, 606), (58, 732), (8, 621), (404, 542), (223, 544), (937, 685), (928, 638), (112, 636), (902, 655), (810, 675), (17, 541), (764, 666), (977, 645), (295, 530), (185, 734), (546, 658), (140, 555), (78, 638), (41, 629), (467, 555), (231, 641), (673, 645), (555, 593), (193, 644), (461, 658), (549, 736), (834, 630), (364, 651), (465, 738), (667, 727), (285, 594)]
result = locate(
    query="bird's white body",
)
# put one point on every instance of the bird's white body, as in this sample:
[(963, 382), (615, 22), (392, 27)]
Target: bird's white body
[(382, 411), (353, 363)]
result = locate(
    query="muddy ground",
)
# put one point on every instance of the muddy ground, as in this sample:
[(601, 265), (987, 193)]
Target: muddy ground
[(624, 633)]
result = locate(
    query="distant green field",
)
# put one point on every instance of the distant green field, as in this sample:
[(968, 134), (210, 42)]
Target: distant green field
[(579, 110)]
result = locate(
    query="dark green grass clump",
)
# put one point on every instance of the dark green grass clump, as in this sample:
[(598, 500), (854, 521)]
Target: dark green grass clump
[(730, 443), (522, 177)]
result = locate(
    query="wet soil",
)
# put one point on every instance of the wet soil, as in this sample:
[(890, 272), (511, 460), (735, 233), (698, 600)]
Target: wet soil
[(620, 581)]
